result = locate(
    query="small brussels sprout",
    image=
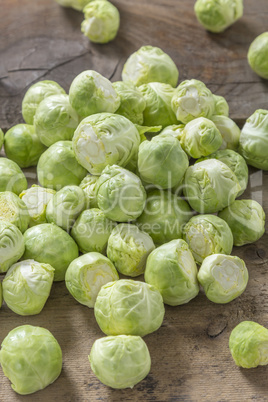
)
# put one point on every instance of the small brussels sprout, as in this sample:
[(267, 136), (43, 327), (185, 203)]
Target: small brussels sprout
[(192, 99), (120, 361), (257, 55), (128, 248), (132, 102), (31, 358), (55, 120), (89, 186), (2, 137), (221, 106), (253, 144), (229, 130), (11, 177), (217, 15), (58, 167), (219, 188), (49, 244), (35, 94), (172, 270), (248, 344), (26, 287), (87, 274), (223, 277), (175, 130), (76, 4), (246, 219), (150, 64), (11, 245), (92, 93), (14, 210), (128, 307), (207, 235)]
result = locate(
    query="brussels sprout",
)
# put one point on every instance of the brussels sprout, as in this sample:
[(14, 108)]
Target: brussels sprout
[(35, 94), (128, 248), (175, 130), (65, 206), (253, 144), (89, 186), (2, 137), (11, 177), (120, 361), (26, 287), (246, 219), (76, 4), (223, 277), (210, 186), (128, 307), (13, 210), (11, 245), (23, 146), (58, 167), (207, 235), (55, 120), (87, 274), (192, 99), (217, 15), (49, 244), (150, 64), (257, 55), (31, 358), (248, 344), (221, 106), (229, 130), (132, 102), (1, 295)]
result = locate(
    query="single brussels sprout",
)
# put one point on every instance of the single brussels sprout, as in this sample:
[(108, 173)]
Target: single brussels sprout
[(11, 177), (31, 358), (132, 102), (257, 55), (76, 4), (35, 94), (221, 106), (2, 137), (175, 130), (89, 186), (49, 244), (207, 235), (229, 130), (58, 167), (65, 206), (219, 186), (120, 361), (14, 210), (246, 219), (217, 15), (192, 99), (55, 120), (128, 307), (87, 274), (253, 143), (248, 344), (11, 245), (223, 277), (26, 287)]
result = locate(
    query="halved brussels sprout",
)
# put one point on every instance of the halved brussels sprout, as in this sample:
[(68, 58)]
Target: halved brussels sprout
[(229, 130), (76, 4), (175, 130), (132, 102), (257, 55), (221, 106), (11, 177), (89, 186), (2, 137), (14, 210), (11, 245)]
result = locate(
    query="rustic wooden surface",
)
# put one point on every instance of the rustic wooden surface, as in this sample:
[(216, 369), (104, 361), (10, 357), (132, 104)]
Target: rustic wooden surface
[(190, 356)]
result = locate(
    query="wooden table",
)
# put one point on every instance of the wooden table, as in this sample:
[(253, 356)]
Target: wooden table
[(190, 356)]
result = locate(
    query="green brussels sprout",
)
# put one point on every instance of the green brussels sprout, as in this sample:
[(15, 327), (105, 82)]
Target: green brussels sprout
[(128, 248), (229, 130), (89, 186), (257, 55), (55, 120), (217, 15), (210, 186), (76, 4), (58, 167), (207, 235), (26, 287), (192, 99), (49, 244), (2, 137), (162, 161), (35, 94), (31, 358), (223, 277), (128, 307), (246, 219), (92, 93), (87, 274), (175, 130), (132, 102), (253, 143), (248, 344), (221, 106), (23, 146), (172, 270), (120, 193), (65, 206), (120, 361), (11, 245), (14, 210), (11, 177)]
